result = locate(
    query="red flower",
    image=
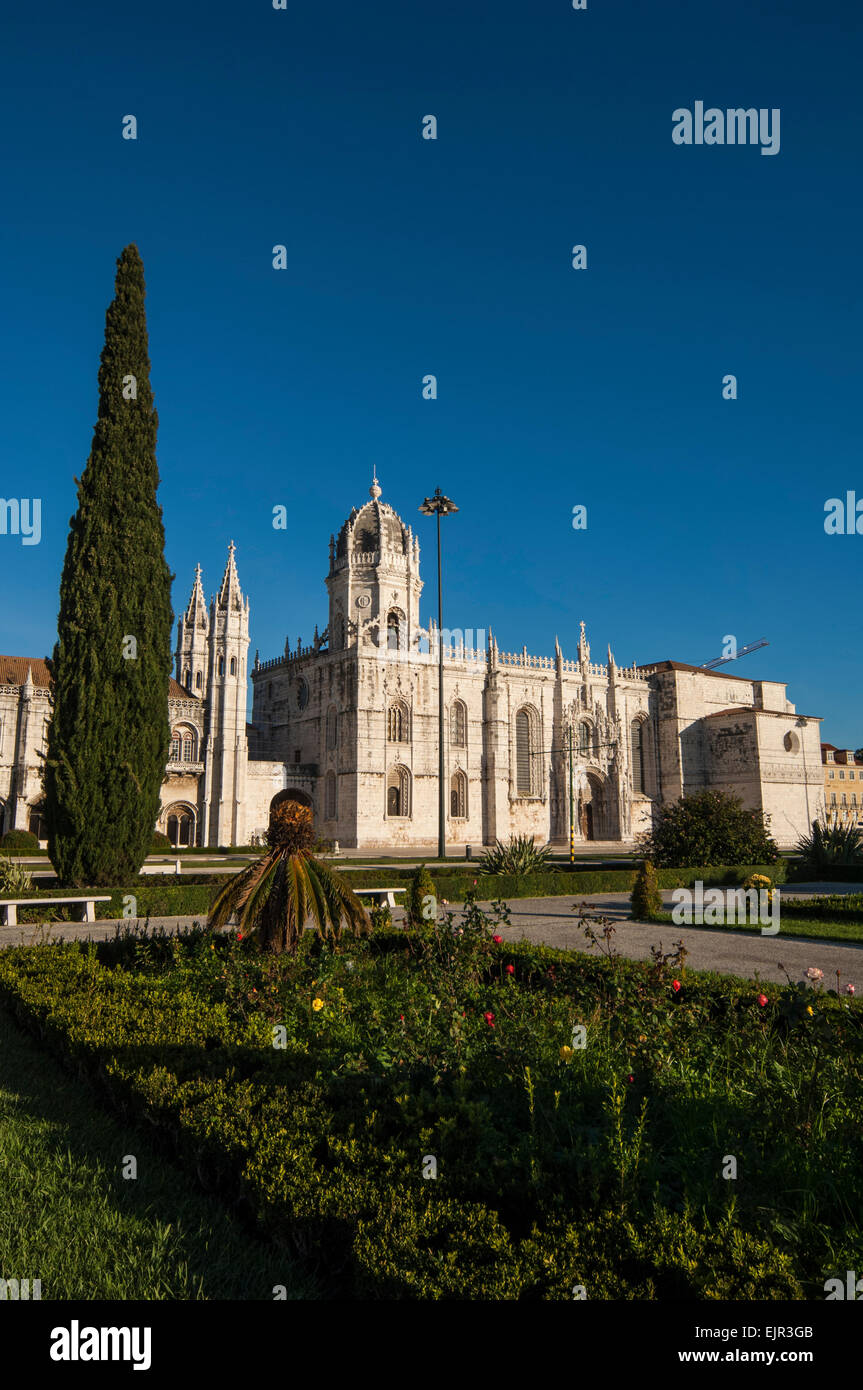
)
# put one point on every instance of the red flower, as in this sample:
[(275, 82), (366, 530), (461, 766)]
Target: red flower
[(630, 1078), (762, 999), (401, 1018), (497, 940), (675, 985), (489, 1018), (239, 936), (510, 970)]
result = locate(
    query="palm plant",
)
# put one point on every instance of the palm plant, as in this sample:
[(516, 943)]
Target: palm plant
[(276, 895), (828, 845), (520, 856)]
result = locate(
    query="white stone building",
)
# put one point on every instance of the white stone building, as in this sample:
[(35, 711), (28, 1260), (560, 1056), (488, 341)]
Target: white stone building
[(349, 725)]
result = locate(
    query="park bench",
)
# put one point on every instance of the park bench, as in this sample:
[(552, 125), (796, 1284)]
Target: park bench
[(382, 897), (9, 907)]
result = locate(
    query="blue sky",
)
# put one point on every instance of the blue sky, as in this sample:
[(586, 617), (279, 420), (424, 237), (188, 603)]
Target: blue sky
[(406, 257)]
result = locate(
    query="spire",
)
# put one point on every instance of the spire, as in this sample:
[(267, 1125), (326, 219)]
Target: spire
[(196, 608), (230, 594), (611, 661), (374, 490), (583, 644)]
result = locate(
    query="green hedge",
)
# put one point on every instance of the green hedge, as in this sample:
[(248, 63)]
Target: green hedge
[(157, 900), (834, 907), (543, 1181), (580, 882)]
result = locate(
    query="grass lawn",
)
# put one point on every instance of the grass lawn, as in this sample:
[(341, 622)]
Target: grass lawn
[(838, 929), (68, 1218)]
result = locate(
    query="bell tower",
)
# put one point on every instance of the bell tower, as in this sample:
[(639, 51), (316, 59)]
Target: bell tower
[(227, 748), (373, 583)]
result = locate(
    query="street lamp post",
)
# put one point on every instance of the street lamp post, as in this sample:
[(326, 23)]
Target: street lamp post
[(439, 506)]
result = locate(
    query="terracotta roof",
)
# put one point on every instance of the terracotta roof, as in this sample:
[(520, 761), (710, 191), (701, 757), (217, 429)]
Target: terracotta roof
[(840, 755), (682, 666), (13, 670), (176, 691)]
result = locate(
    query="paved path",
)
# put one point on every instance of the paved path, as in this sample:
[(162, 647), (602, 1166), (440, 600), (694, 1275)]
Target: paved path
[(552, 922)]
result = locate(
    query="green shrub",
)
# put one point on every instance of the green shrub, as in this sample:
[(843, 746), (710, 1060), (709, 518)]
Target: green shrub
[(19, 839), (421, 887), (520, 856), (159, 842), (646, 899), (708, 828), (435, 1249)]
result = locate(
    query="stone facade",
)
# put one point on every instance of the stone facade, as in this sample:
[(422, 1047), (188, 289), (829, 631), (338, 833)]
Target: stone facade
[(349, 725)]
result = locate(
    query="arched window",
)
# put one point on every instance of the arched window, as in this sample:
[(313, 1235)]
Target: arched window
[(184, 746), (221, 667), (583, 739), (525, 749), (187, 676), (331, 728), (198, 681), (180, 825), (398, 792), (394, 631), (330, 797), (458, 724), (458, 796), (397, 724), (233, 665), (638, 769), (36, 821)]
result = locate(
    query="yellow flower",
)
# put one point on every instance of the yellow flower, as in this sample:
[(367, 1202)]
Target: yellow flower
[(809, 1008), (317, 1004), (566, 1053)]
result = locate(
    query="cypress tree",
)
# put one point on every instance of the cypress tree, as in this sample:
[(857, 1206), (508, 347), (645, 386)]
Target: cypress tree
[(109, 733)]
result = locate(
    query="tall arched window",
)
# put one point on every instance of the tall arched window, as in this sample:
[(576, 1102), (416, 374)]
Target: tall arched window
[(458, 796), (187, 675), (221, 665), (398, 792), (458, 724), (330, 797), (584, 739), (331, 728), (233, 665), (524, 754), (397, 723), (638, 769), (199, 682), (394, 631)]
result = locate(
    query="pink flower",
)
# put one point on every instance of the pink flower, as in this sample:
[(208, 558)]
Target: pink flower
[(813, 973), (510, 970), (849, 989), (762, 999), (675, 985), (497, 940), (489, 1018)]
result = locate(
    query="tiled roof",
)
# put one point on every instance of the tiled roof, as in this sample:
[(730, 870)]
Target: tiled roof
[(13, 670), (682, 666)]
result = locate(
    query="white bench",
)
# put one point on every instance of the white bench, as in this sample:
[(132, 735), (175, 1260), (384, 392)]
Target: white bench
[(9, 907), (382, 897)]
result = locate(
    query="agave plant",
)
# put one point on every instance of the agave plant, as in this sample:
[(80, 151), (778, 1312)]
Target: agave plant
[(14, 878), (520, 856), (276, 895), (830, 844)]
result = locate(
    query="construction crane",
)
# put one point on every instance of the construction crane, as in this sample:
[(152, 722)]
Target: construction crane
[(723, 660)]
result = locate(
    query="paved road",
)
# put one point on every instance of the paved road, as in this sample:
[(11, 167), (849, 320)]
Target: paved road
[(552, 921)]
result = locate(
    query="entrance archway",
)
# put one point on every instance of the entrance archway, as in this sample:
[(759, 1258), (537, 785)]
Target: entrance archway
[(180, 825), (591, 809), (291, 794)]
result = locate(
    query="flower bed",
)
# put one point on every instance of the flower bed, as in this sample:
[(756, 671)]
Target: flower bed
[(446, 1115)]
